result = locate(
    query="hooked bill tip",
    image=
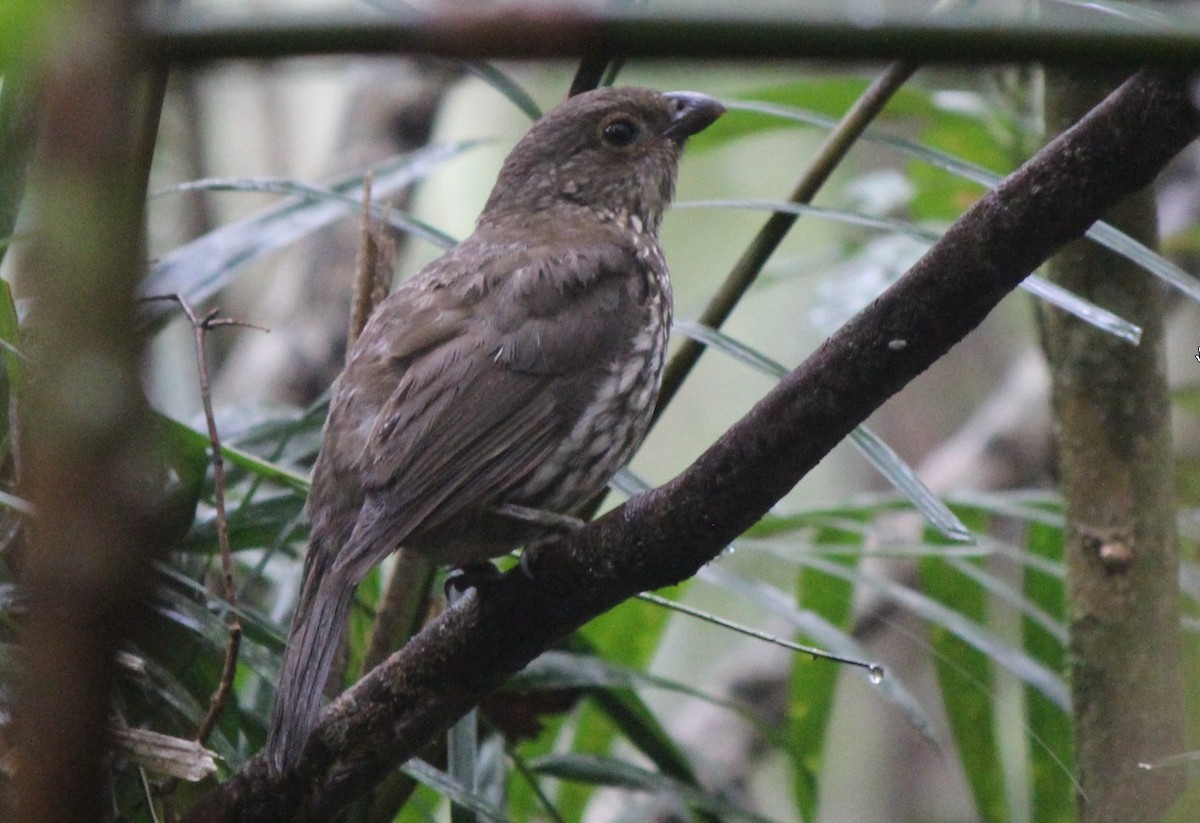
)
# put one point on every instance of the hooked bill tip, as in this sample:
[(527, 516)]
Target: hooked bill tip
[(692, 112)]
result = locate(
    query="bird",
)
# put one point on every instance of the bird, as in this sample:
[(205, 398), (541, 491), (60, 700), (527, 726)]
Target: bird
[(493, 394)]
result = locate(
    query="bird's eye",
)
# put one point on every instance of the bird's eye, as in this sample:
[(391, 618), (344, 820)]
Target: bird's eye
[(619, 132)]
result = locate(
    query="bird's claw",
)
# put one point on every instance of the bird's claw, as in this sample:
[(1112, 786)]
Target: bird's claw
[(464, 578)]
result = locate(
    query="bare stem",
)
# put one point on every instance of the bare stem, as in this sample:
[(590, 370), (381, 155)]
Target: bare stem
[(220, 698), (831, 153)]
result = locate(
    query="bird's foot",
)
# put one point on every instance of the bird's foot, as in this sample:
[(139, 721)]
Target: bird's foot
[(472, 576), (554, 527), (534, 549), (562, 524)]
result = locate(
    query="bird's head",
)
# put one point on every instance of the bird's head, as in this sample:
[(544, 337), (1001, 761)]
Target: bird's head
[(605, 152)]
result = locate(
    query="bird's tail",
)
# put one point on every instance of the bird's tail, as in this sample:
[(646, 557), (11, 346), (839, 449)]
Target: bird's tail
[(316, 633)]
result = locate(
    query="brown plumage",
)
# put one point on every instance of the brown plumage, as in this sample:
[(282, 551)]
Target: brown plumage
[(519, 369)]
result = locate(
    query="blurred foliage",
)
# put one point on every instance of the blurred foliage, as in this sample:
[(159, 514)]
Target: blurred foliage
[(23, 26)]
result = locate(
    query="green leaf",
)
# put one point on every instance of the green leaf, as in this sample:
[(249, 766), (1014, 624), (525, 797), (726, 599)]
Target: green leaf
[(611, 687), (967, 686), (1187, 397), (264, 469), (24, 27), (904, 478), (823, 633), (199, 269), (1035, 284), (18, 128), (940, 196), (265, 521), (641, 728), (813, 687), (294, 188), (505, 84), (184, 462), (1131, 12), (448, 787), (1186, 809), (1015, 659), (628, 635), (614, 773), (13, 362), (1048, 623), (1023, 506), (877, 453), (826, 98), (10, 333), (1101, 232), (1051, 729), (555, 670)]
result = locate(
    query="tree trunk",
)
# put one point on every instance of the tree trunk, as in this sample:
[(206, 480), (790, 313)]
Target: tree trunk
[(88, 459), (1112, 416)]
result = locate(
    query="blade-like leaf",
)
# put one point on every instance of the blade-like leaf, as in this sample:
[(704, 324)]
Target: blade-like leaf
[(904, 478), (10, 333), (447, 786), (1054, 788), (1103, 233), (872, 670), (641, 728), (878, 453), (1006, 593), (609, 771), (295, 188), (1036, 285), (1027, 507), (1014, 659), (824, 633), (970, 705), (628, 635), (504, 84), (202, 267), (570, 670), (813, 688), (486, 72), (243, 460), (1131, 12)]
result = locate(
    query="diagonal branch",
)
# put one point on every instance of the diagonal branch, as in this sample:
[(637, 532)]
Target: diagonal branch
[(667, 534)]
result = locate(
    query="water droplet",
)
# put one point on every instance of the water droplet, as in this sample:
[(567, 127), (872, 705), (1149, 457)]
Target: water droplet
[(875, 674)]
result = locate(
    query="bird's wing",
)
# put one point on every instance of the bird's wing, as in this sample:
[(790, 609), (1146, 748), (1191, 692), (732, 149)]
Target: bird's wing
[(476, 411)]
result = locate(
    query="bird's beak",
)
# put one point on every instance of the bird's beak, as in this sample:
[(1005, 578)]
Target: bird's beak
[(691, 112)]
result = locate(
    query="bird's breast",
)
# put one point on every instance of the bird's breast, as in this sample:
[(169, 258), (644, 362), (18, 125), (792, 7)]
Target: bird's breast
[(611, 426)]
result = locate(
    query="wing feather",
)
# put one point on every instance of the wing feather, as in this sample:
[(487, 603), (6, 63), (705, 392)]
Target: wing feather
[(484, 399)]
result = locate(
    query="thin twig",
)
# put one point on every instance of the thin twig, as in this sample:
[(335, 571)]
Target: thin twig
[(375, 265), (149, 793), (364, 274), (874, 670), (220, 697), (600, 67), (589, 74)]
